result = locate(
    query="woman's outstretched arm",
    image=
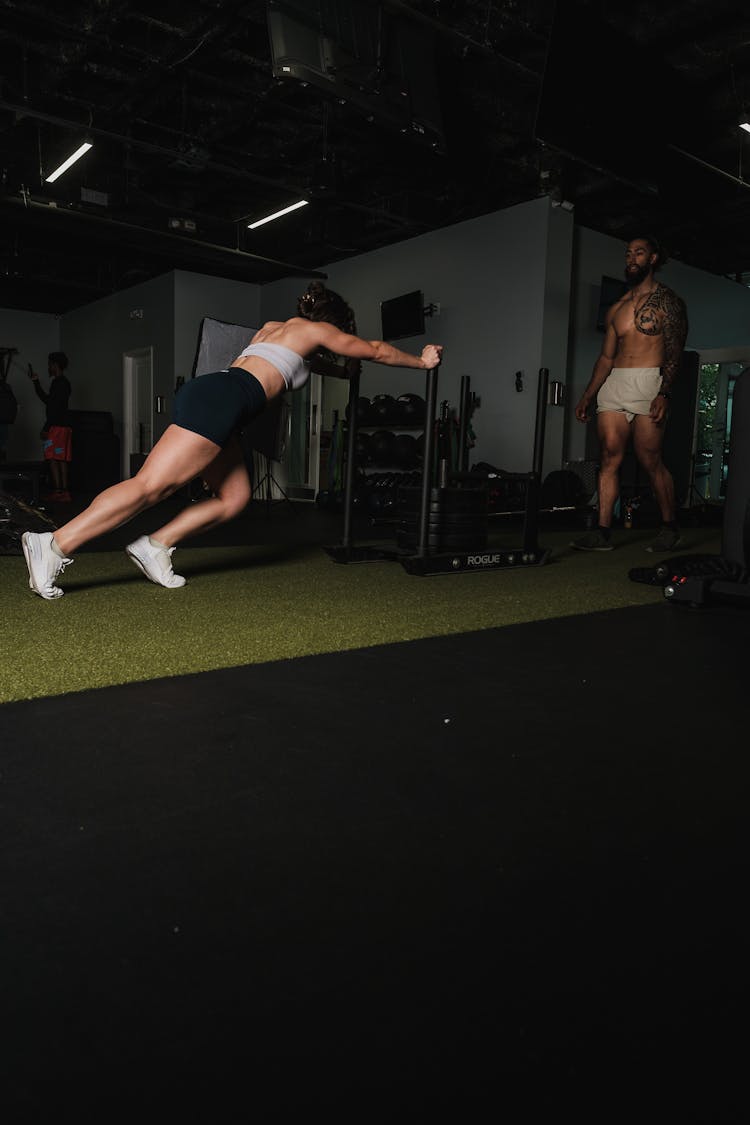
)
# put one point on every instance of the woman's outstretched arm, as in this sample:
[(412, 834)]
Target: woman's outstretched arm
[(377, 351)]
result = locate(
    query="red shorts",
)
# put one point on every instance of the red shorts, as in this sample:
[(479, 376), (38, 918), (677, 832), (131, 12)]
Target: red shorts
[(58, 445)]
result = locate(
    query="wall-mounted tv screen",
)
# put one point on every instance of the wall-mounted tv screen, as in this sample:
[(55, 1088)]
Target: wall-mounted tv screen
[(403, 316), (611, 289)]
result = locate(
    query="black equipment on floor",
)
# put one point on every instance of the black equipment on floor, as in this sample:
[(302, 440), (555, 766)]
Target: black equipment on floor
[(457, 518), (24, 476), (444, 527), (696, 579), (431, 558), (17, 517)]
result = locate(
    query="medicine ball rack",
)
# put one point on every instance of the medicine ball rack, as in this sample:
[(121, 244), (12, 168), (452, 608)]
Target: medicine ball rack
[(428, 561)]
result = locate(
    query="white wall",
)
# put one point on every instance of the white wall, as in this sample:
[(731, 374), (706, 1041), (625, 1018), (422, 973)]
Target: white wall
[(488, 275), (556, 329), (95, 337), (35, 335), (518, 290), (163, 313)]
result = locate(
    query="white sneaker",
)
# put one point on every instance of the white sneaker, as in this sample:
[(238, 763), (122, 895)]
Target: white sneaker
[(43, 563), (155, 562)]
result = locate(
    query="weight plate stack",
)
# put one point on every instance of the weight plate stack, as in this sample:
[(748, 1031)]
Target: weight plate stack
[(457, 518)]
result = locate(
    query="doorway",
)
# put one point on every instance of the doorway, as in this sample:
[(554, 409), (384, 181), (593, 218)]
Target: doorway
[(137, 409)]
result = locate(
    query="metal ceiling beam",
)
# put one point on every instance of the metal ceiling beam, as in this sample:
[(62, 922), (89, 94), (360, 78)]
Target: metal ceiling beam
[(23, 110), (466, 41), (129, 228), (211, 165)]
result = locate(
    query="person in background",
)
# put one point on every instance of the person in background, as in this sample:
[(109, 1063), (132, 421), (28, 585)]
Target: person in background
[(203, 440), (632, 383), (56, 434)]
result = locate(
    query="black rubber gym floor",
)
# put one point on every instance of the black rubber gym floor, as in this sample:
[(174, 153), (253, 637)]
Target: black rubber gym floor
[(501, 872)]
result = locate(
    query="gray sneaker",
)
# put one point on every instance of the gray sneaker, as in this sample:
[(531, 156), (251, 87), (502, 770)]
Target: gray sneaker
[(155, 562), (44, 564), (593, 541), (666, 540)]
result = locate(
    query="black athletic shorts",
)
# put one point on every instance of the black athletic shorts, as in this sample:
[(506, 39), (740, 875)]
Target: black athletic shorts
[(217, 404)]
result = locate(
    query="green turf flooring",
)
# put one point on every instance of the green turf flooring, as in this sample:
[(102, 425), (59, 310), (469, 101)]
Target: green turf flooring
[(255, 603)]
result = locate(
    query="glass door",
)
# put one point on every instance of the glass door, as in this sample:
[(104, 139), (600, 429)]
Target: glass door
[(714, 427)]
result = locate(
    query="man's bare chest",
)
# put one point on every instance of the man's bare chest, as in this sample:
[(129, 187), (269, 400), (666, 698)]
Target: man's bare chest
[(638, 319)]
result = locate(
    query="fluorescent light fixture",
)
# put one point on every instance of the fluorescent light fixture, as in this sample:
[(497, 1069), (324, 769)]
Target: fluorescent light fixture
[(79, 152), (745, 125), (277, 214)]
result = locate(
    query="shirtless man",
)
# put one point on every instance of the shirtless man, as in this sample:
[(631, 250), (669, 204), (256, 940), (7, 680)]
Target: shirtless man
[(632, 383)]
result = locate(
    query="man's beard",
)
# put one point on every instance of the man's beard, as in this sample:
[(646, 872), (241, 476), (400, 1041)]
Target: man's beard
[(636, 278)]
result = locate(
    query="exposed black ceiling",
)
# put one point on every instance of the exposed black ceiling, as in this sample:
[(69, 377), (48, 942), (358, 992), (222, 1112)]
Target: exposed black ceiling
[(629, 113)]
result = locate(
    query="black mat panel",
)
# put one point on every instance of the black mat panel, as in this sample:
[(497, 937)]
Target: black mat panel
[(503, 869)]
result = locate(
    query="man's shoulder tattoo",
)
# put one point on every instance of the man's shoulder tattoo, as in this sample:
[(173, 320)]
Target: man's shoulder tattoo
[(669, 301), (665, 301)]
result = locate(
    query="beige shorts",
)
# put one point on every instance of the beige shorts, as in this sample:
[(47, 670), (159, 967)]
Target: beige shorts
[(629, 390)]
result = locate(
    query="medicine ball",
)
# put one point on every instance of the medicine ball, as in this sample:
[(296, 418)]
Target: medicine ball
[(383, 447), (364, 407), (406, 453), (384, 411), (411, 409), (363, 448)]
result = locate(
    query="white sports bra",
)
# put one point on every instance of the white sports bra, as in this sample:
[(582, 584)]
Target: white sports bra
[(294, 370)]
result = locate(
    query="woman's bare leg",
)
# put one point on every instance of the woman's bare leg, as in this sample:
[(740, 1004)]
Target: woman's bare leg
[(227, 477), (177, 457)]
